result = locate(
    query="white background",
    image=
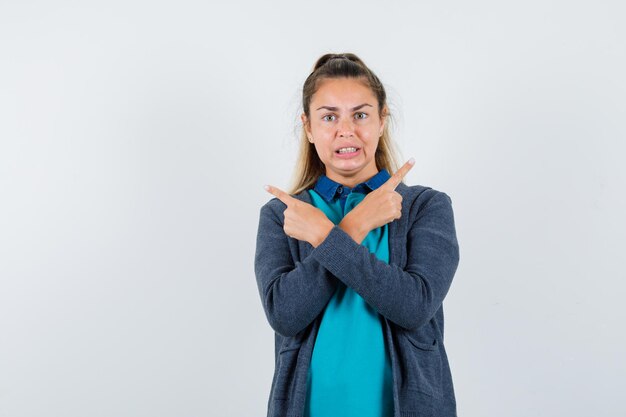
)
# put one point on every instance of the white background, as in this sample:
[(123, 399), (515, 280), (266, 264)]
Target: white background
[(135, 140)]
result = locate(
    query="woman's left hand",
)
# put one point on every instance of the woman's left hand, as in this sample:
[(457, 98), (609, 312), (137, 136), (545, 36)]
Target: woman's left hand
[(302, 220)]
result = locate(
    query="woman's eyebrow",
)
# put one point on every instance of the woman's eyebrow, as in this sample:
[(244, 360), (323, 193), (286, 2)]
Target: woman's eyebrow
[(336, 108)]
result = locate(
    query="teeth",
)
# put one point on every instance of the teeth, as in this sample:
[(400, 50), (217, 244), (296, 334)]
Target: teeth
[(347, 150)]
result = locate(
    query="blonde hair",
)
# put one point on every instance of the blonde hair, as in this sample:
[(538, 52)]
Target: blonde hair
[(308, 166)]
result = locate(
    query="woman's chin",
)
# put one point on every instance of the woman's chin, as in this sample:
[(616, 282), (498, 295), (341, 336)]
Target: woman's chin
[(349, 167)]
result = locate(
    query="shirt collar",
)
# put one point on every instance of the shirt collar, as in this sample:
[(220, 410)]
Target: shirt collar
[(329, 189)]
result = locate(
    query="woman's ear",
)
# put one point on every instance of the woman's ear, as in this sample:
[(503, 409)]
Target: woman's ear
[(383, 120), (306, 125)]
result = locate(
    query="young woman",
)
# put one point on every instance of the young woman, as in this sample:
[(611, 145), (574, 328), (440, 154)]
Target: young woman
[(353, 265)]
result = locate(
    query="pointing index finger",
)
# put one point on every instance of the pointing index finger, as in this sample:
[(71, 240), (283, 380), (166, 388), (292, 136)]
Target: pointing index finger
[(396, 178), (280, 194)]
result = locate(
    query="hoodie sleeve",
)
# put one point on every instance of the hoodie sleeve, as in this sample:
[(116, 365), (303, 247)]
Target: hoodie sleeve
[(408, 297), (293, 294)]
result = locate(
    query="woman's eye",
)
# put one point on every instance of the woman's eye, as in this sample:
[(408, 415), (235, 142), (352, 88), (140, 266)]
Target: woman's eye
[(328, 115), (363, 114)]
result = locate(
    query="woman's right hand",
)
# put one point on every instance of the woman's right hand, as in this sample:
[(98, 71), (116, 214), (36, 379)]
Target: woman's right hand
[(380, 206), (303, 221)]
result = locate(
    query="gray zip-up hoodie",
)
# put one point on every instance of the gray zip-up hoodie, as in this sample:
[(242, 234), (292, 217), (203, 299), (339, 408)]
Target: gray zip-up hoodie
[(296, 281)]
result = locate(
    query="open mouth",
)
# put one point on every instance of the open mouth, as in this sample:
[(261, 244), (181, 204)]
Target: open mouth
[(344, 151), (347, 152)]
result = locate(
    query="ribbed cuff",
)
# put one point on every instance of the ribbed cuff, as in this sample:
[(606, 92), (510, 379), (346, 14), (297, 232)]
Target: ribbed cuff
[(337, 252)]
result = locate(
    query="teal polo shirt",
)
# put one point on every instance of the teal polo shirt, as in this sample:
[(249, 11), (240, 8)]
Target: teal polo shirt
[(350, 373)]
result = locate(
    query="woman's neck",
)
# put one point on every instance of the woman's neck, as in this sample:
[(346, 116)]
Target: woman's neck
[(352, 180)]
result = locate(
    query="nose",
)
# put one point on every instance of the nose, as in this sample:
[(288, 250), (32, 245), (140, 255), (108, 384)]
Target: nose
[(345, 128)]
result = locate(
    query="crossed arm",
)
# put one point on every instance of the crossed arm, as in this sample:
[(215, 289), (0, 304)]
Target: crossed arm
[(295, 293)]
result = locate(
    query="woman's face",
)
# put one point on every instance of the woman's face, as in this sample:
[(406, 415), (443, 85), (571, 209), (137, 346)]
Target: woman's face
[(344, 114)]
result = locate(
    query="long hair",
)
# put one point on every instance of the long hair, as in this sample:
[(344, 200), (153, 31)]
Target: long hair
[(308, 166)]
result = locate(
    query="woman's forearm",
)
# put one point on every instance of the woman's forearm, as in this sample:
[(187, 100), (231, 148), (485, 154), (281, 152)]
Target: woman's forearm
[(293, 294), (408, 296)]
